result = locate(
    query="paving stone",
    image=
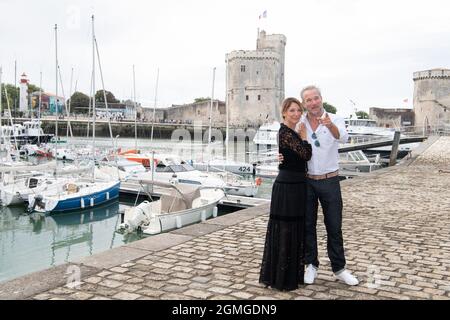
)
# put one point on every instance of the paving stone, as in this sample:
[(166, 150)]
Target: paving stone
[(198, 294), (81, 296), (126, 296), (93, 280), (119, 277), (110, 283), (241, 295), (119, 269), (220, 290)]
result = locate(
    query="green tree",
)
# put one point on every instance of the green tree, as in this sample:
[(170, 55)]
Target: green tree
[(329, 108), (13, 95), (33, 88), (202, 99), (79, 103), (362, 115), (100, 97)]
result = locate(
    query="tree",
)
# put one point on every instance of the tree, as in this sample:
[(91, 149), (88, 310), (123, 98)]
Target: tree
[(79, 103), (362, 115), (99, 97), (329, 108), (33, 88), (13, 95), (202, 99)]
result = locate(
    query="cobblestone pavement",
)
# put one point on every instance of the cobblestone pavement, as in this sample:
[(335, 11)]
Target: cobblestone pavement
[(396, 233)]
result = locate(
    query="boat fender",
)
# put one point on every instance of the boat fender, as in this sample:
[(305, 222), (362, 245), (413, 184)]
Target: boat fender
[(215, 211), (92, 202), (178, 222), (82, 202), (203, 216)]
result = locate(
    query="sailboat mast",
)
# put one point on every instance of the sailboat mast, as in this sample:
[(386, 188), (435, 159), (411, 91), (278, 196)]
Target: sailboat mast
[(154, 106), (56, 97), (1, 108), (39, 107), (226, 114), (135, 110), (210, 112), (93, 99)]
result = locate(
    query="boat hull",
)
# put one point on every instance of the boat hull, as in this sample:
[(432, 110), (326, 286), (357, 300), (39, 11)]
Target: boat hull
[(81, 202)]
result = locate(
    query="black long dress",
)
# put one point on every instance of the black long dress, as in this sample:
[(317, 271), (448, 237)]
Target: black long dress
[(282, 264)]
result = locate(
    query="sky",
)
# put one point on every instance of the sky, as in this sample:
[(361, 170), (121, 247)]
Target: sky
[(360, 53)]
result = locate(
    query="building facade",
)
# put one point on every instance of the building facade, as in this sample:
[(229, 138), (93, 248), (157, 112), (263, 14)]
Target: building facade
[(432, 97), (392, 118), (255, 81)]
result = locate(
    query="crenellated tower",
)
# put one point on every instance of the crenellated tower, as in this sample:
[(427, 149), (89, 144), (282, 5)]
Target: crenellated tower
[(432, 97), (255, 81)]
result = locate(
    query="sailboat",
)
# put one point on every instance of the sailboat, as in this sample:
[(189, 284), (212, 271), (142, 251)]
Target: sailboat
[(80, 193)]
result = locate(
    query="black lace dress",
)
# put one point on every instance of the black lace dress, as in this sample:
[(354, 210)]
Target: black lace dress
[(282, 264)]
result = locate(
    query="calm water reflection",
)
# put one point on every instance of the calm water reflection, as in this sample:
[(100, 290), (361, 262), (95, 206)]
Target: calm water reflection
[(34, 242)]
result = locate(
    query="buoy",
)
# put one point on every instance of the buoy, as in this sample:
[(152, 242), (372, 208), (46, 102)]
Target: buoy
[(258, 181)]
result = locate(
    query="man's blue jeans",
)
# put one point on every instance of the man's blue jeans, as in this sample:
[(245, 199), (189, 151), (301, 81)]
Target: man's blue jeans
[(328, 192)]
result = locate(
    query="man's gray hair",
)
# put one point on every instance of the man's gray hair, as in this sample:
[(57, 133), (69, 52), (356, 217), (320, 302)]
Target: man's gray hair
[(312, 87)]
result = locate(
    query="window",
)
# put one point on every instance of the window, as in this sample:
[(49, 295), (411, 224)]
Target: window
[(242, 68), (246, 97)]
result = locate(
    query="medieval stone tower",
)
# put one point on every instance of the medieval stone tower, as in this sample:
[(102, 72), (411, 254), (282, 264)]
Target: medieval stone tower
[(432, 97), (255, 81)]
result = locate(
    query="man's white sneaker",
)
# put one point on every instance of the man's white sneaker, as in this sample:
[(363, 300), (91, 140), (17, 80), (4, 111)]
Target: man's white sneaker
[(347, 277), (310, 274)]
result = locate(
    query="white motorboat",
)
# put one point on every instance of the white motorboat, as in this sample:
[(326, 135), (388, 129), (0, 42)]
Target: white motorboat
[(367, 128), (358, 161), (184, 205), (171, 168), (220, 165), (267, 134)]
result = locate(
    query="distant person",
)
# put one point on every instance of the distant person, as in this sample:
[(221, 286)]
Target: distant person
[(324, 132), (282, 265)]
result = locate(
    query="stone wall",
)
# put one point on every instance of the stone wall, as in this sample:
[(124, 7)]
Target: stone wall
[(392, 118)]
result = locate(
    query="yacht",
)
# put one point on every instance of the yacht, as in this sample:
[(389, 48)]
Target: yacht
[(267, 134), (172, 169)]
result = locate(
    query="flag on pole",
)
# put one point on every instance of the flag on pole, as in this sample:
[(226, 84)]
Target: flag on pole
[(263, 15)]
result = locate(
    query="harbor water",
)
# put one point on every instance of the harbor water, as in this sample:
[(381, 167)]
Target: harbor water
[(33, 242)]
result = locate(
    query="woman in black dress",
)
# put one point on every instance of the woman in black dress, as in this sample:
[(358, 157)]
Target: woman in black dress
[(282, 264)]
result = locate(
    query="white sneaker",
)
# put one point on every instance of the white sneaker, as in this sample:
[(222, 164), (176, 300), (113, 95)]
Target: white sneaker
[(347, 277), (310, 274)]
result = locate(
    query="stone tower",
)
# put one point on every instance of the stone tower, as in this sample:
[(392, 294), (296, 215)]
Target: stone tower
[(255, 81), (432, 97)]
